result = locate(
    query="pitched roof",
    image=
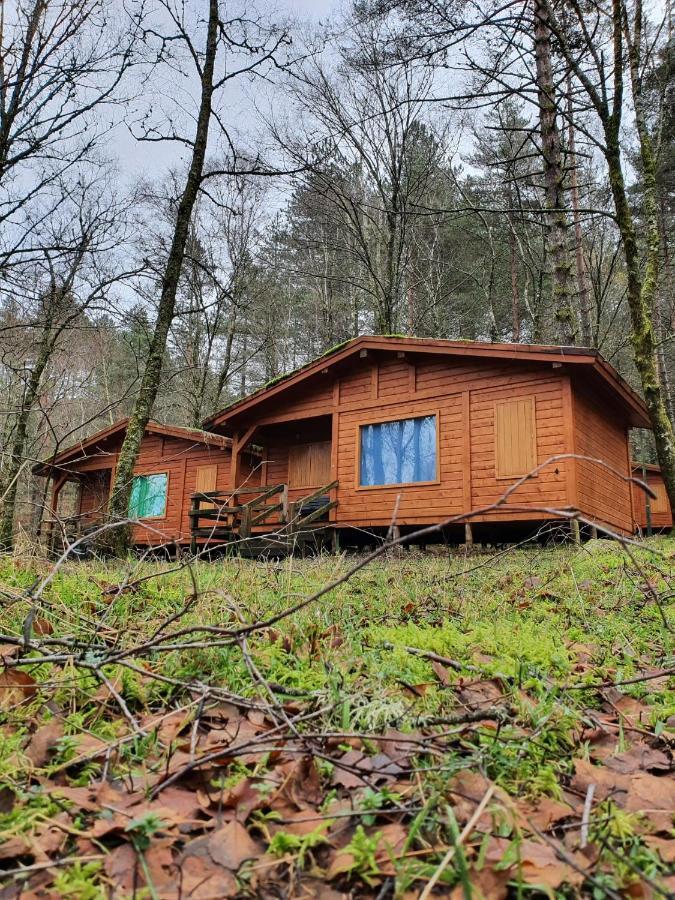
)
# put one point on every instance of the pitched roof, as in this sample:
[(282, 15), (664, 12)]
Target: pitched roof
[(576, 356), (79, 449)]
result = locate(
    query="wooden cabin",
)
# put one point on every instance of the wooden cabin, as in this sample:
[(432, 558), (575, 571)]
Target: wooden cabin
[(651, 512), (173, 464), (417, 430)]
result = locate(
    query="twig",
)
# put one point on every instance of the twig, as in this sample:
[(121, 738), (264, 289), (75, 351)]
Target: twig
[(586, 816), (468, 828)]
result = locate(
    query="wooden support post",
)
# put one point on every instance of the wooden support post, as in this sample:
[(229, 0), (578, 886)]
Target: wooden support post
[(594, 533), (291, 516), (54, 510), (284, 504), (468, 535), (576, 531), (245, 526)]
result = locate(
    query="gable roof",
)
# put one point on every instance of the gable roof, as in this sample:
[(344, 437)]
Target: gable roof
[(79, 449), (576, 356)]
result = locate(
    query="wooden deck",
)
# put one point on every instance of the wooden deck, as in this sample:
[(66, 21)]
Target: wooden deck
[(267, 522)]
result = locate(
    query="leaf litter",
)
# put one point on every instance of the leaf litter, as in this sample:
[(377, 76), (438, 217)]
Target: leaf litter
[(336, 755)]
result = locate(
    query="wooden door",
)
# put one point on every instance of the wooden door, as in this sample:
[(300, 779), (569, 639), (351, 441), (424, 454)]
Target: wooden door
[(309, 464), (207, 476)]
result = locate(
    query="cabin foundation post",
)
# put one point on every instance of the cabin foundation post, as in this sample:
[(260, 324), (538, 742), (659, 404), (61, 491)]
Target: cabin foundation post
[(594, 533), (575, 531), (468, 536)]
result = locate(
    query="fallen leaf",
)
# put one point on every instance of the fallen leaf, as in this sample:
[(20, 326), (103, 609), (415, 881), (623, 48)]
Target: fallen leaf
[(231, 845), (42, 626), (639, 757), (15, 687), (441, 673), (204, 880), (665, 848), (42, 742), (540, 865)]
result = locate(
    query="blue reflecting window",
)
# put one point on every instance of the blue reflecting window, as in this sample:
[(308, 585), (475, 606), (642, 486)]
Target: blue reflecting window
[(148, 496), (398, 452)]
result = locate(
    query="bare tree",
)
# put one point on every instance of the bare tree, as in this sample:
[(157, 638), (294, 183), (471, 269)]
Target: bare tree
[(56, 290), (177, 39), (62, 64)]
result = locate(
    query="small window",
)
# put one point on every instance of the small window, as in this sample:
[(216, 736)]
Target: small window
[(515, 438), (400, 452), (148, 496)]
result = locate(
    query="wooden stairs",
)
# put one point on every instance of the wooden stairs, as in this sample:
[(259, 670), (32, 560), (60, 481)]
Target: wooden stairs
[(265, 525)]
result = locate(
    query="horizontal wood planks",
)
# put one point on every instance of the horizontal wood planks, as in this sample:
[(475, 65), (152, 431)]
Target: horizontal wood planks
[(183, 460), (661, 515), (599, 433)]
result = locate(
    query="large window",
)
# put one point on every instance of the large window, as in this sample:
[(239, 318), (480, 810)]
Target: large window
[(398, 452), (148, 496)]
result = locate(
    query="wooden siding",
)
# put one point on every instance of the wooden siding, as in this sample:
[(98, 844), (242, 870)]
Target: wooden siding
[(309, 464), (462, 394), (186, 463), (600, 433), (562, 413), (661, 514), (94, 492)]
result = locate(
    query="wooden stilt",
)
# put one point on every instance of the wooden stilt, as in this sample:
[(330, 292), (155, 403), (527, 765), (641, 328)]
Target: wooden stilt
[(575, 530), (468, 535)]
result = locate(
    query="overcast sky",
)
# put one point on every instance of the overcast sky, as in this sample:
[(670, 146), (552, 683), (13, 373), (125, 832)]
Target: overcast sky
[(150, 160)]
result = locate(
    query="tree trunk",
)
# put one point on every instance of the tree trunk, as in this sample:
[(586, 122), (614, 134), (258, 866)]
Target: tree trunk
[(119, 500), (10, 485), (583, 292), (641, 293), (556, 219)]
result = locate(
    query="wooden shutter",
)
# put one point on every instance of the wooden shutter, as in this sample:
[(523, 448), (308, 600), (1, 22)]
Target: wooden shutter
[(515, 437), (309, 464), (207, 477)]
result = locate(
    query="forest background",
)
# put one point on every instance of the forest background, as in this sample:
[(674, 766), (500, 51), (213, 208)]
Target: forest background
[(195, 199)]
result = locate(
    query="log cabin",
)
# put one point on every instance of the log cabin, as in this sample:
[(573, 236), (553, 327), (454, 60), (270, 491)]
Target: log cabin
[(173, 464), (382, 431), (417, 430), (650, 513)]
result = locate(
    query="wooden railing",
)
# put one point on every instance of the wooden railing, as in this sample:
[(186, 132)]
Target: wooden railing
[(223, 515), (225, 511)]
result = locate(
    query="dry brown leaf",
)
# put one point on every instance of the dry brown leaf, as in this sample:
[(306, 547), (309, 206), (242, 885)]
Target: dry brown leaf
[(42, 743), (42, 626), (665, 848), (201, 879), (231, 845), (488, 884), (15, 687), (640, 757), (478, 694), (541, 866), (441, 673)]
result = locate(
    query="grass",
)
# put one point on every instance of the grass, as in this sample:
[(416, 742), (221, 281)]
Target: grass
[(530, 622)]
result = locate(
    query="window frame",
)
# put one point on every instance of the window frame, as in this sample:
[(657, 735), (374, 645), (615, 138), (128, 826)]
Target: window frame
[(166, 495), (397, 417), (533, 402)]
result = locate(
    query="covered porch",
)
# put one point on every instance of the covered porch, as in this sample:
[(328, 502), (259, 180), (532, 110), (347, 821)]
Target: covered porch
[(87, 507), (296, 497)]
